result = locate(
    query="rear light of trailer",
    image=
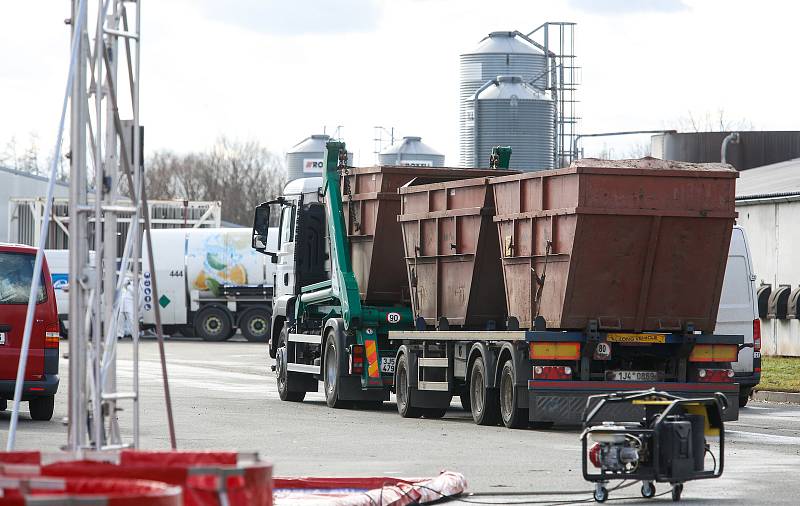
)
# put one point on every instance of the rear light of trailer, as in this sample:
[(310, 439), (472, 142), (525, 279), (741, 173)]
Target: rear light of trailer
[(51, 335), (552, 372), (357, 359), (555, 351), (756, 335), (715, 375), (714, 353)]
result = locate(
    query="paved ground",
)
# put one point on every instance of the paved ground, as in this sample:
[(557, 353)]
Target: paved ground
[(224, 397)]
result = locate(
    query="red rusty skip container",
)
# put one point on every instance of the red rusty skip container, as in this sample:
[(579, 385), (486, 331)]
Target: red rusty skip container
[(451, 253), (371, 206), (638, 245)]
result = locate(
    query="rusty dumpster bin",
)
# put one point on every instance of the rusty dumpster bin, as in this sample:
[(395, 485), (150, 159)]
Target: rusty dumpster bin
[(637, 245), (371, 205), (451, 253)]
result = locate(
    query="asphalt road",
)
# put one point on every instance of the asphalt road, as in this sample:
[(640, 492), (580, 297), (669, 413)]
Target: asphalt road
[(225, 398)]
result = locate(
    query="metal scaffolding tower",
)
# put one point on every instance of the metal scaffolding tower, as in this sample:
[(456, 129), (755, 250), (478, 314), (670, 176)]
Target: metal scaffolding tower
[(557, 40), (105, 158)]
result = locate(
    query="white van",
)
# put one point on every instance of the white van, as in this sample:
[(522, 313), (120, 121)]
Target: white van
[(738, 313), (58, 262)]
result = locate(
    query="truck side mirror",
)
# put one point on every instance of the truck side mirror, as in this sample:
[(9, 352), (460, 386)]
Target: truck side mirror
[(261, 229)]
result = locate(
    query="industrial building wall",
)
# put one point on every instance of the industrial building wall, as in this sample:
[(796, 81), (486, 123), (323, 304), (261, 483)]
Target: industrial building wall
[(19, 184), (774, 239)]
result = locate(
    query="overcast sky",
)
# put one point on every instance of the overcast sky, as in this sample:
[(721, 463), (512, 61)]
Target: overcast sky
[(278, 71)]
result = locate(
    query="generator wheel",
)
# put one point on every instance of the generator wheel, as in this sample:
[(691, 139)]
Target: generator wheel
[(254, 325), (484, 402), (648, 489), (600, 494), (403, 390), (513, 417), (282, 374), (213, 323)]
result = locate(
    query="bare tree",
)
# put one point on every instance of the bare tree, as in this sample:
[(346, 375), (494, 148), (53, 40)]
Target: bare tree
[(709, 121), (240, 174)]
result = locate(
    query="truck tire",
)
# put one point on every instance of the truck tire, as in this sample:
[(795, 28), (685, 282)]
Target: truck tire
[(282, 375), (41, 408), (254, 325), (512, 416), (213, 323), (484, 402), (332, 374), (403, 390)]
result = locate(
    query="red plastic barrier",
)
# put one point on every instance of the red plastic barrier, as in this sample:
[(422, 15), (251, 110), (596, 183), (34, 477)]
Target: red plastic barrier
[(79, 491), (20, 458), (207, 478)]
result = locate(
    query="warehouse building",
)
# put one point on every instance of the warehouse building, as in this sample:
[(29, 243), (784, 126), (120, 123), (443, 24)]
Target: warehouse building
[(768, 203), (17, 184)]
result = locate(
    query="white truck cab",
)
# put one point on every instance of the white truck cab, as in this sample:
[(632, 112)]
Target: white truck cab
[(301, 257)]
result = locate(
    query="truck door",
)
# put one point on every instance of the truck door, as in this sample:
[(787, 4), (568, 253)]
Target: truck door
[(284, 270)]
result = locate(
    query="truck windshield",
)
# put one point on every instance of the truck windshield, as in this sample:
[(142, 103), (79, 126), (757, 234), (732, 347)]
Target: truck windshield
[(16, 274)]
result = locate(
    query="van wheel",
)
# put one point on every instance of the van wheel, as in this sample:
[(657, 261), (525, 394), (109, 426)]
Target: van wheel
[(41, 409), (744, 396), (254, 325), (484, 402), (213, 323)]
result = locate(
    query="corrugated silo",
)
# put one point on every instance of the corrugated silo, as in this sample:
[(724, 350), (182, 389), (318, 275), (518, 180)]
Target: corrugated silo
[(411, 151), (306, 157), (500, 53), (509, 112)]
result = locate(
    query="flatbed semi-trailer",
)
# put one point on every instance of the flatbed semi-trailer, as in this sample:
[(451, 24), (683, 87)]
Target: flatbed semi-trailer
[(345, 314)]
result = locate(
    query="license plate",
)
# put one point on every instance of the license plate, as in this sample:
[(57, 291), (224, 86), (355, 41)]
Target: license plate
[(632, 376), (622, 337), (387, 364), (2, 338)]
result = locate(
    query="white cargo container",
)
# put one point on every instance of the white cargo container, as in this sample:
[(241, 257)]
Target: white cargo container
[(58, 263), (210, 283)]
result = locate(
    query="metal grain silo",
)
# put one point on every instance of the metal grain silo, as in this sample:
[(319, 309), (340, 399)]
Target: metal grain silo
[(411, 151), (306, 157), (498, 54), (509, 112)]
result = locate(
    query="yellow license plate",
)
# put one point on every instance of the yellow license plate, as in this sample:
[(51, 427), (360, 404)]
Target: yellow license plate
[(622, 337)]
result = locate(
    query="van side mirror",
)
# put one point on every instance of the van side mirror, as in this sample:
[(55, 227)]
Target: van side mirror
[(261, 229)]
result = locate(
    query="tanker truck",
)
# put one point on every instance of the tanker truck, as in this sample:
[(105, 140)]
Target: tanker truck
[(210, 283), (524, 294)]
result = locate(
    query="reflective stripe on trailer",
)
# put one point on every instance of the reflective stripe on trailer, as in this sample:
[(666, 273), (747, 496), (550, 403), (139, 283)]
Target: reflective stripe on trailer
[(371, 347)]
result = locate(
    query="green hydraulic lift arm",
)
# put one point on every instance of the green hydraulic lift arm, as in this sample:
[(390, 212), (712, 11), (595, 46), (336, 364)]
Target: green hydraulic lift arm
[(344, 284)]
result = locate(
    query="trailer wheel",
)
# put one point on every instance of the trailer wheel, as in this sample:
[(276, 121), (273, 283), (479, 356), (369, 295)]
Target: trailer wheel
[(213, 323), (403, 390), (254, 325), (484, 402), (332, 374), (282, 375), (513, 417)]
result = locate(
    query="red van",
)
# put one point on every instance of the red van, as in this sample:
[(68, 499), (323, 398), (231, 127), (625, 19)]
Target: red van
[(41, 374)]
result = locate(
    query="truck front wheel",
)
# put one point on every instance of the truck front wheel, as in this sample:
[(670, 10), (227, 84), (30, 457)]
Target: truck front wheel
[(213, 323), (282, 373), (484, 402), (254, 325)]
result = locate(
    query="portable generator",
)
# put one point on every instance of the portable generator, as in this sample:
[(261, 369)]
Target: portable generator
[(667, 445)]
